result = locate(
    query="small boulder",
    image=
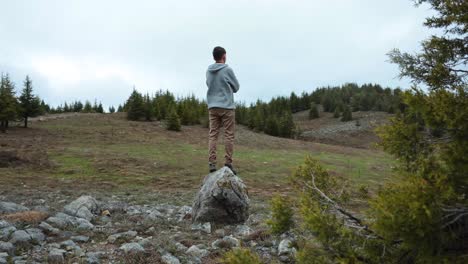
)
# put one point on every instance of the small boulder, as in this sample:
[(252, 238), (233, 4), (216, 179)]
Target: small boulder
[(285, 248), (7, 247), (197, 252), (132, 248), (124, 235), (206, 227), (169, 259), (226, 242), (56, 256), (84, 207), (8, 207), (223, 198)]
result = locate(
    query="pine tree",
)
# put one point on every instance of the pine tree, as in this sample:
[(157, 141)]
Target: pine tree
[(336, 113), (313, 112), (173, 120), (136, 107), (8, 102), (111, 109), (347, 115), (87, 107), (271, 126), (30, 104), (120, 109), (148, 107), (100, 109)]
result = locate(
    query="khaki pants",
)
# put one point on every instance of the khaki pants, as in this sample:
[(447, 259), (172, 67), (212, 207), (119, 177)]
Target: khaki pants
[(225, 118)]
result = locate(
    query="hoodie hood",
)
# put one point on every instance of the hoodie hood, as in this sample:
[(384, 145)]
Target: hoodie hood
[(216, 67)]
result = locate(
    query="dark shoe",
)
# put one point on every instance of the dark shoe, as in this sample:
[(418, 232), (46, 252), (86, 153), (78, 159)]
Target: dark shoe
[(231, 168), (212, 167)]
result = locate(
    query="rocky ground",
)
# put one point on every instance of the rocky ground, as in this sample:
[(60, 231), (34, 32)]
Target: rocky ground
[(59, 229)]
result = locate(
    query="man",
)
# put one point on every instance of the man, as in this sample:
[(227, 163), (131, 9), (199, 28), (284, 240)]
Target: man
[(222, 84)]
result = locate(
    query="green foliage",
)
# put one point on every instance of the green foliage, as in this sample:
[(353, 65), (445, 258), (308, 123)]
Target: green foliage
[(111, 109), (336, 113), (88, 108), (29, 103), (8, 102), (173, 121), (135, 106), (313, 112), (282, 215), (347, 115), (240, 256)]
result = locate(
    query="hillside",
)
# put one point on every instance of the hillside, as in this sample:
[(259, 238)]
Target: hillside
[(329, 130), (146, 177)]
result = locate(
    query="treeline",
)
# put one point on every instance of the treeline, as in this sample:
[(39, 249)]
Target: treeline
[(163, 105), (78, 106), (13, 107), (275, 117)]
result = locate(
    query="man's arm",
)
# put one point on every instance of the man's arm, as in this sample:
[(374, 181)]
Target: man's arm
[(232, 80)]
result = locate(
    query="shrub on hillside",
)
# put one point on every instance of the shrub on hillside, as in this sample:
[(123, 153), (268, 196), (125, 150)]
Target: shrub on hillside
[(313, 112), (240, 256), (282, 213), (173, 121)]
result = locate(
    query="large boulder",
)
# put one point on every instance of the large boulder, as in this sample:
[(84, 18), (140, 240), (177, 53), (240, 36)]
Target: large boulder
[(223, 199), (84, 207)]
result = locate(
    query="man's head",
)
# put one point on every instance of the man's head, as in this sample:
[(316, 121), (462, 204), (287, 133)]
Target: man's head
[(219, 54)]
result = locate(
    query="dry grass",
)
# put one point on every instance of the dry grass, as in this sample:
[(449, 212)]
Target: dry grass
[(31, 217)]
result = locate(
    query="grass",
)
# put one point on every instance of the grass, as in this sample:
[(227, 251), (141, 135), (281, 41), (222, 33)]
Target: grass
[(108, 150)]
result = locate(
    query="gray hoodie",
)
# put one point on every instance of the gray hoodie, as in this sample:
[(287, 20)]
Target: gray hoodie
[(222, 83)]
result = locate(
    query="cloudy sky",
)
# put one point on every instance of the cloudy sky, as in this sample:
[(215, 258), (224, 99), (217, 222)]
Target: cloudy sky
[(88, 49)]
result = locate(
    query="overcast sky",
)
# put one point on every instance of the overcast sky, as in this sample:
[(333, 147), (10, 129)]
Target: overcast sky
[(88, 49)]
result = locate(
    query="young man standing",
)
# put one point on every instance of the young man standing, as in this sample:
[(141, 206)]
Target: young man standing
[(222, 84)]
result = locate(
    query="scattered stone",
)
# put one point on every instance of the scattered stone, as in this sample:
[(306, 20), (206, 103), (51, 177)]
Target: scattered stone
[(9, 207), (132, 248), (48, 228), (285, 248), (144, 242), (7, 247), (242, 231), (197, 252), (4, 224), (20, 237), (220, 232), (36, 235), (169, 259), (155, 214), (80, 239), (61, 220), (226, 242), (180, 247), (94, 257), (124, 235), (206, 227), (184, 213), (5, 233), (84, 207), (223, 198), (3, 258), (56, 256)]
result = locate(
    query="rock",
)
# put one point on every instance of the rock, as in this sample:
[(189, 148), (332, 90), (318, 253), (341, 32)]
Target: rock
[(80, 239), (4, 224), (5, 233), (56, 256), (7, 247), (223, 198), (132, 248), (20, 237), (24, 237), (144, 242), (62, 221), (48, 228), (84, 207), (36, 235), (8, 207), (206, 227), (220, 232), (94, 257), (226, 242), (242, 231), (197, 252), (285, 248), (155, 214), (124, 235), (180, 247), (184, 213), (169, 259)]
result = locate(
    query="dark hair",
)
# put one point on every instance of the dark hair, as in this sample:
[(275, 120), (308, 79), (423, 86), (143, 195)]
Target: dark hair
[(218, 53)]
